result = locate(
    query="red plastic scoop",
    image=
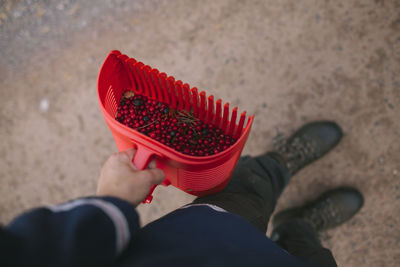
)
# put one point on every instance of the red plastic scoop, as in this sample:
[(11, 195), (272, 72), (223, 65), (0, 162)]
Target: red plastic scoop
[(195, 175)]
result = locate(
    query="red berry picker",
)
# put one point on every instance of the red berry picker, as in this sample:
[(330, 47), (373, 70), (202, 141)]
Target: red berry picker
[(194, 140)]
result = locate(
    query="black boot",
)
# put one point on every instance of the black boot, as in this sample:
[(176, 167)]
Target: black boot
[(330, 210), (308, 144)]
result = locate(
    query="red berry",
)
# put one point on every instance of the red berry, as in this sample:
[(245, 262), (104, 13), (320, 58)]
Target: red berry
[(160, 123)]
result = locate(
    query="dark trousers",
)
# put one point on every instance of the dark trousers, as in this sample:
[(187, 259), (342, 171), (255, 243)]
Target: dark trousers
[(252, 193)]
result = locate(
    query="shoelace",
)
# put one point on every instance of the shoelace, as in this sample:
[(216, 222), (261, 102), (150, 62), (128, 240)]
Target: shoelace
[(298, 152), (323, 214)]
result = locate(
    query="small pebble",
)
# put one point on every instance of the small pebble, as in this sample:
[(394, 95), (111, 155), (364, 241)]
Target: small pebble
[(44, 104)]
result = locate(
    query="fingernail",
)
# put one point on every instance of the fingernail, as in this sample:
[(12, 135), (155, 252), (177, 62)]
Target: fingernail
[(152, 164)]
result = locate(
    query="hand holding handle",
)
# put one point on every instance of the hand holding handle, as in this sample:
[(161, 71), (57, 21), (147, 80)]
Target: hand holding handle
[(141, 160)]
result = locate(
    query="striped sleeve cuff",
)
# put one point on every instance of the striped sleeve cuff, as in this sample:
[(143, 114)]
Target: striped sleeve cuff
[(121, 213)]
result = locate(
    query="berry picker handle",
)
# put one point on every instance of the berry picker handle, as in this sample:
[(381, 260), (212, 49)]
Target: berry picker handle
[(141, 160)]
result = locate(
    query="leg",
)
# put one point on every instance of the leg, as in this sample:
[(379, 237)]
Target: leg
[(300, 239), (296, 229), (253, 189), (257, 182)]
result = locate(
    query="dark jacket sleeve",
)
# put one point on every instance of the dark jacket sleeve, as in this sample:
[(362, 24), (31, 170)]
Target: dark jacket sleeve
[(83, 232)]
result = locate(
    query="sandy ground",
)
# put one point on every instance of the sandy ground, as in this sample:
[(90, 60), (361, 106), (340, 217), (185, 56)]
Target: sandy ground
[(289, 62)]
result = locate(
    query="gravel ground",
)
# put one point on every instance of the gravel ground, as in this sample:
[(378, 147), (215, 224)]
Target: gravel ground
[(289, 62)]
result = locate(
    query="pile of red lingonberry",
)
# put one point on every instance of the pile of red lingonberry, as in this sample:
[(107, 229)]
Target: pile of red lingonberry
[(177, 129)]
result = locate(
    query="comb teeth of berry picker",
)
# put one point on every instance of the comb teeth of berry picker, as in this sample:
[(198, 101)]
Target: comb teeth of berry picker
[(149, 82), (198, 176)]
